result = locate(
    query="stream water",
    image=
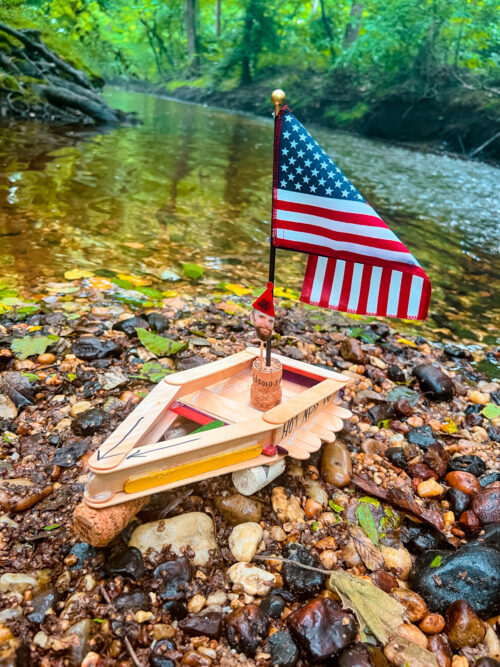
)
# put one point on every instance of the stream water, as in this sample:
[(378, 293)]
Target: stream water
[(194, 184)]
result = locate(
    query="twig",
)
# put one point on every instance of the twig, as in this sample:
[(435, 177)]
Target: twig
[(484, 144), (126, 640), (292, 562)]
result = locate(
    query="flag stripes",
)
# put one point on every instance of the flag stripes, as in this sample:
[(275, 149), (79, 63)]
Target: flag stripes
[(354, 287)]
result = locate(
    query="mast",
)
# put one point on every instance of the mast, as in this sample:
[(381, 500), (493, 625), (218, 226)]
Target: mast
[(278, 97)]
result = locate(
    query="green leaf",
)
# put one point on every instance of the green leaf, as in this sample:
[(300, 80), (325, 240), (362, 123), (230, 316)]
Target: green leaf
[(152, 371), (99, 620), (315, 525), (162, 347), (52, 526), (436, 562), (490, 411), (403, 392), (384, 423), (193, 271), (367, 522), (31, 345), (31, 376), (370, 501), (71, 377), (335, 508)]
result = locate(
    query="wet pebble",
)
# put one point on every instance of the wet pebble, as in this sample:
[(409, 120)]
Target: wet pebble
[(459, 501), (239, 509), (439, 646), (176, 609), (487, 662), (174, 575), (436, 457), (351, 350), (273, 606), (384, 580), (296, 579), (471, 463), (287, 507), (244, 540), (89, 348), (282, 649), (18, 389), (322, 629), (442, 584), (132, 602), (396, 456), (42, 603), (158, 322), (397, 561), (336, 466), (68, 456), (127, 562), (83, 553), (254, 580), (90, 421), (246, 628), (208, 623), (489, 478), (422, 436), (486, 504), (415, 606), (129, 325), (432, 624), (469, 522), (463, 481), (82, 630), (362, 655), (395, 373), (463, 625), (434, 383)]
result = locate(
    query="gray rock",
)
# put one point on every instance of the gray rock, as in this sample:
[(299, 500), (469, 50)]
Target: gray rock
[(433, 382)]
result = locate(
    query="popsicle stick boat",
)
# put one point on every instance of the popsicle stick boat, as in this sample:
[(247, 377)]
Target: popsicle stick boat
[(199, 423)]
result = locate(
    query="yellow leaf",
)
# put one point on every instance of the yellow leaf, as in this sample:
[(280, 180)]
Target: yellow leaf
[(285, 293), (239, 290), (230, 307), (135, 280), (35, 328), (405, 341), (170, 293), (77, 274), (100, 283), (450, 426)]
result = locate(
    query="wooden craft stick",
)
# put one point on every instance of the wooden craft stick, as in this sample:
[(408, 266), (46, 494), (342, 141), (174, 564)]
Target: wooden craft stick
[(99, 526), (307, 399)]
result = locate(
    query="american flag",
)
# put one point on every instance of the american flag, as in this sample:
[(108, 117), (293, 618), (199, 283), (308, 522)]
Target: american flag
[(356, 263)]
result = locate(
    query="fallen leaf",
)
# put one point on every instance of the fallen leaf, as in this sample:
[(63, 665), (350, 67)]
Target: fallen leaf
[(136, 245), (367, 522), (490, 411), (100, 283), (77, 274), (405, 341), (31, 345), (159, 345), (193, 271), (239, 290), (367, 551)]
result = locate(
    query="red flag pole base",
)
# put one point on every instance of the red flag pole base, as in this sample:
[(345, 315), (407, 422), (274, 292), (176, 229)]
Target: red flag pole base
[(265, 391)]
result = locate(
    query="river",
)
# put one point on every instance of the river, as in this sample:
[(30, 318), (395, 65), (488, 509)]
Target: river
[(194, 184)]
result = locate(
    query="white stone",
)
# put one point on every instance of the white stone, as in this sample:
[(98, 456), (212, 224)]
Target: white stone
[(254, 580), (287, 509), (316, 492), (244, 540), (7, 408), (217, 598), (17, 582), (81, 406), (397, 560), (193, 529)]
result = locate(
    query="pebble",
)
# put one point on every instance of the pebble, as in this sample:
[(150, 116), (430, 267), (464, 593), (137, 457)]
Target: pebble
[(282, 649), (422, 436), (469, 463), (434, 383), (316, 492), (412, 602), (463, 625), (296, 579), (254, 580), (193, 529), (246, 628), (90, 421), (17, 582), (8, 410), (127, 563), (174, 576), (273, 606), (487, 662), (218, 598), (82, 630), (42, 603), (437, 458), (396, 456), (196, 603), (128, 326), (287, 509), (438, 644), (489, 478), (429, 489), (18, 389), (132, 601), (158, 322), (176, 609), (397, 560), (351, 350), (469, 522), (362, 655), (463, 481), (244, 540), (412, 634), (89, 348), (239, 509), (142, 616), (459, 501), (163, 631), (336, 466), (432, 624), (322, 629), (81, 406), (384, 580), (208, 623), (479, 397), (442, 584), (486, 505)]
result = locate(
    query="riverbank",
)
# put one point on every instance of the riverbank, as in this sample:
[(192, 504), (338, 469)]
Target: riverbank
[(412, 505), (437, 118)]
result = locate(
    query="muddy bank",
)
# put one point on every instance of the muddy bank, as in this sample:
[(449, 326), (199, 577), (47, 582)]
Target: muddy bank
[(450, 115), (400, 506)]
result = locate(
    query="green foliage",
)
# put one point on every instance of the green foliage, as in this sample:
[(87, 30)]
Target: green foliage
[(159, 345), (31, 345), (367, 522)]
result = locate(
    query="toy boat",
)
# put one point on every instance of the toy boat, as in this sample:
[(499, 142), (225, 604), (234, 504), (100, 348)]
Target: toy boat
[(199, 423)]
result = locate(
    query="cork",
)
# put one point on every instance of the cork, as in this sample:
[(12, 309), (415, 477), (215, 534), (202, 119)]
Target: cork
[(99, 527), (249, 481), (265, 391)]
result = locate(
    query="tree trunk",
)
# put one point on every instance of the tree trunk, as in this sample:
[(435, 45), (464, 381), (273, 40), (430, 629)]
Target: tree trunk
[(192, 37), (246, 74), (352, 28), (326, 22), (218, 12)]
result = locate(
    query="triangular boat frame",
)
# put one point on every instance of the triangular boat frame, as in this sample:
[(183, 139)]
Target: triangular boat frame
[(133, 462)]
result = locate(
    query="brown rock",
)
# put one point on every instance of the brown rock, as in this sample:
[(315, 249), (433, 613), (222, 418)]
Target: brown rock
[(246, 628), (463, 625), (438, 644), (486, 505), (336, 467), (421, 471), (469, 522), (463, 481), (432, 624), (194, 659), (412, 602), (239, 509), (384, 580), (412, 634), (208, 624), (437, 458), (350, 350)]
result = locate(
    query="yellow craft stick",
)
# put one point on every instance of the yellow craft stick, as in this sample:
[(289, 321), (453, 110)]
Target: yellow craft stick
[(137, 483)]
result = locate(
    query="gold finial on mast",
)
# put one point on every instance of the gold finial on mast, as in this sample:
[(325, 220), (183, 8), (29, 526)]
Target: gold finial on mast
[(278, 97)]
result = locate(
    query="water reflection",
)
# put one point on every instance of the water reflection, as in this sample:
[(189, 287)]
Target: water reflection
[(194, 184)]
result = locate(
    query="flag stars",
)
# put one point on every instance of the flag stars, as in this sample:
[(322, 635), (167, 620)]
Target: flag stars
[(314, 172), (306, 179), (297, 186), (299, 170), (289, 118), (359, 196), (285, 151), (293, 143), (300, 153), (338, 183), (313, 188), (308, 163), (324, 165), (344, 193), (296, 128), (331, 174), (292, 161), (310, 147), (286, 134), (328, 191), (317, 156), (322, 181), (283, 183)]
